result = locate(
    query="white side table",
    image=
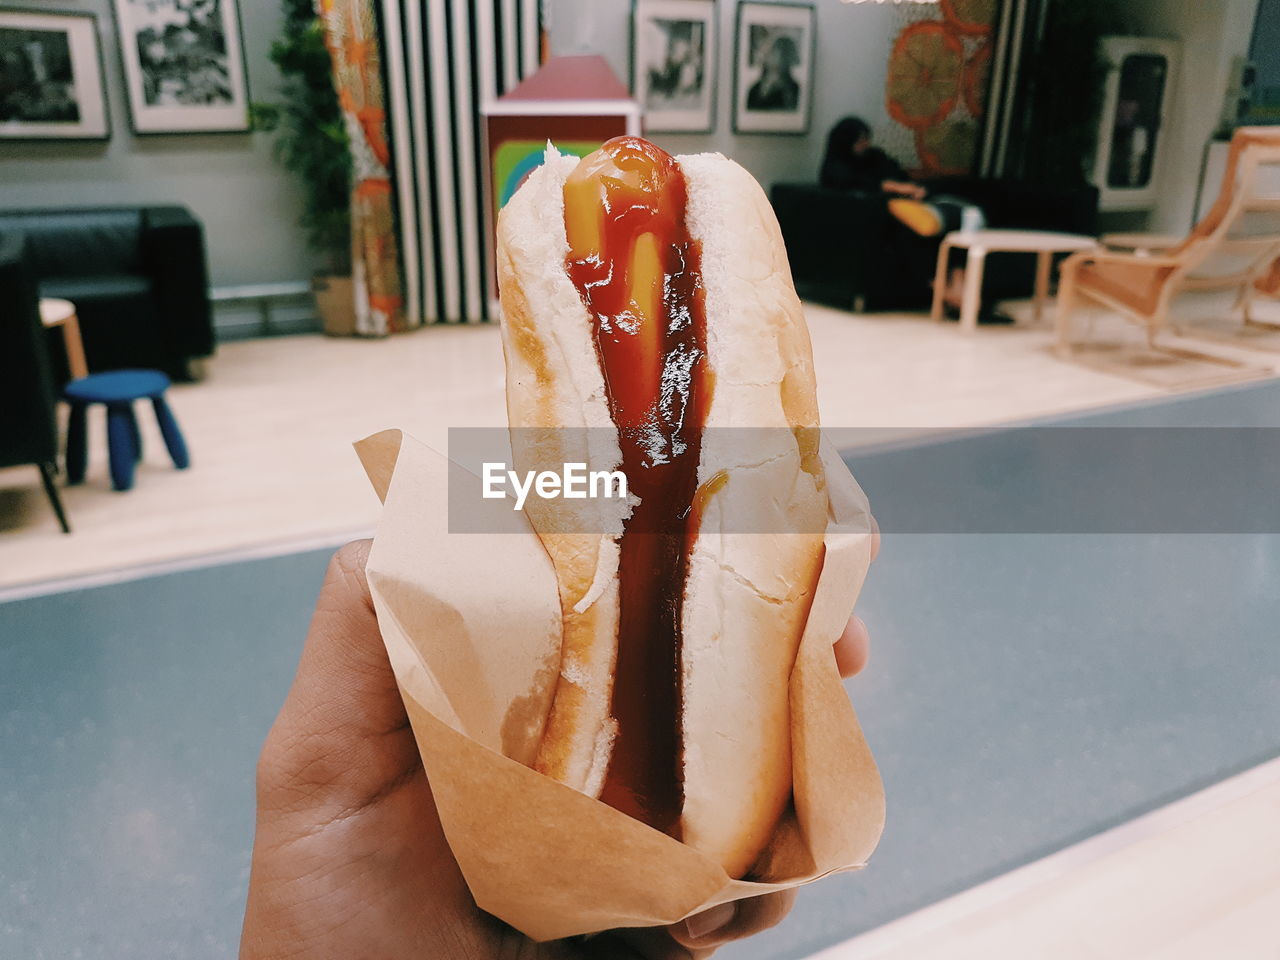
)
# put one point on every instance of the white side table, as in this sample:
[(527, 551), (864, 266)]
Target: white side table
[(981, 242), (62, 313)]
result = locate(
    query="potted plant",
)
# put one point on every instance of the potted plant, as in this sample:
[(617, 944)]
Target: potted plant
[(311, 141)]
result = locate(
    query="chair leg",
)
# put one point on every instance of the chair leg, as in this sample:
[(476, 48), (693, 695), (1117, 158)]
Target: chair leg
[(1155, 323), (47, 471), (974, 268), (1066, 306), (1044, 266), (940, 281), (76, 444), (120, 445), (136, 436), (173, 440), (1245, 303)]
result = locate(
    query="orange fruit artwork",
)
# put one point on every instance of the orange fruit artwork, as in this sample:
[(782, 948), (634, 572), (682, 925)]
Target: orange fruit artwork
[(947, 149), (924, 74), (970, 17)]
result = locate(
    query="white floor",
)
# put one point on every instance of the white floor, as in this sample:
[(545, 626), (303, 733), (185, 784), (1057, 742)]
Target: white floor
[(270, 428), (1195, 880)]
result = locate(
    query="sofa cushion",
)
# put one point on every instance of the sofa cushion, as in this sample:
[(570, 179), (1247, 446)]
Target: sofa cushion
[(844, 249), (118, 322), (86, 289), (77, 242)]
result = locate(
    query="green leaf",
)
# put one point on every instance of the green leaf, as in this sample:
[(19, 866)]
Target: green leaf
[(311, 138)]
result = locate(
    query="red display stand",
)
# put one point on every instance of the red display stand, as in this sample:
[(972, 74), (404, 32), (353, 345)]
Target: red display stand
[(575, 102)]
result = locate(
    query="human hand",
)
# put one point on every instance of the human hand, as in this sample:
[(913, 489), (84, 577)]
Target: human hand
[(349, 858), (900, 188)]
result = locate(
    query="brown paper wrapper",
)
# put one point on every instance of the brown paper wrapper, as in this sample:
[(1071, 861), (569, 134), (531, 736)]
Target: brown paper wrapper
[(472, 627)]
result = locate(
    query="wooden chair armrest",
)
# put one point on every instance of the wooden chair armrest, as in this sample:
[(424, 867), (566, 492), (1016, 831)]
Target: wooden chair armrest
[(1143, 244), (1114, 256)]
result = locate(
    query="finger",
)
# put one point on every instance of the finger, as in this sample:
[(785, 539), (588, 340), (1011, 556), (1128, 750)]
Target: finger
[(853, 647), (705, 928), (643, 943), (875, 538), (748, 918)]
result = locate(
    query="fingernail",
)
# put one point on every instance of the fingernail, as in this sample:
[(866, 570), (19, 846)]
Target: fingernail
[(702, 925)]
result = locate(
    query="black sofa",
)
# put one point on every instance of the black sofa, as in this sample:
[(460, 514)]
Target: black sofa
[(843, 251), (28, 421), (138, 279)]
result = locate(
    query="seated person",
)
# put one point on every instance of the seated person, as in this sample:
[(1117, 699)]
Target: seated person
[(852, 162)]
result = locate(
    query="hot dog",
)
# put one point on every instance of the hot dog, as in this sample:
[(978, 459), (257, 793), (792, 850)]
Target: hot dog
[(648, 313)]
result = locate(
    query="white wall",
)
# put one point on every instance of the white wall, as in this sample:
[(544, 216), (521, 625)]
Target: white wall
[(1212, 32), (248, 204), (853, 43)]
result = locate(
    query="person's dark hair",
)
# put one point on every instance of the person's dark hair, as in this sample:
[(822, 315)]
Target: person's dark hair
[(843, 136), (788, 54)]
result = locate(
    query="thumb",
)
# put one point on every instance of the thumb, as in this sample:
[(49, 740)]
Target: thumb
[(342, 736), (344, 673)]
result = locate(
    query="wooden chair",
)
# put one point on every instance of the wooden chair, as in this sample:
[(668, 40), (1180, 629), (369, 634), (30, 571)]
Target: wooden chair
[(1268, 284), (28, 404), (1236, 246)]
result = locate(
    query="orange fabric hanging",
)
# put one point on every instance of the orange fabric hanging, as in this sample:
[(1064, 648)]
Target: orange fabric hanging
[(351, 36)]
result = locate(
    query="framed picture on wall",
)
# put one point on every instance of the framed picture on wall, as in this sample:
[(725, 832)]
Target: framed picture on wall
[(673, 64), (183, 65), (773, 68), (51, 80)]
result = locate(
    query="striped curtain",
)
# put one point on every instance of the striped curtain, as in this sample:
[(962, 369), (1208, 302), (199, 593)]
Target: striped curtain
[(1019, 31), (444, 60)]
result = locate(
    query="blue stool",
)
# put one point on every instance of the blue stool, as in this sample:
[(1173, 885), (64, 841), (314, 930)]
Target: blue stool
[(117, 390)]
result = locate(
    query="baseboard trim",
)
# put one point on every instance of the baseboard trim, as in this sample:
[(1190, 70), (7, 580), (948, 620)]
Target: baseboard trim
[(244, 318)]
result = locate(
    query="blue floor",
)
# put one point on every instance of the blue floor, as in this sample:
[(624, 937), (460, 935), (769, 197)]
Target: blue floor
[(130, 721), (1025, 692)]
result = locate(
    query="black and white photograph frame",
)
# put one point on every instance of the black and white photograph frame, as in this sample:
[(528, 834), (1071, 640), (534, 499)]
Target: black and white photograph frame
[(52, 85), (674, 56), (774, 52), (184, 67)]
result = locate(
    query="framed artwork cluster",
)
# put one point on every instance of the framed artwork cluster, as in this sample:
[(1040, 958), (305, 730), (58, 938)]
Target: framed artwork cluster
[(182, 61), (675, 53)]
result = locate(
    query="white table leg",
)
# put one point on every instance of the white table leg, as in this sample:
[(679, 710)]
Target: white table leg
[(940, 280), (1066, 304), (972, 289), (1044, 260)]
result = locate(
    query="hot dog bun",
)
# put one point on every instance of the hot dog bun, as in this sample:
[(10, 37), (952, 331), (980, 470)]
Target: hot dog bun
[(746, 594)]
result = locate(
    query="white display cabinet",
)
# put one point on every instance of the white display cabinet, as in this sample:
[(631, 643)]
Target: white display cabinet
[(1131, 141)]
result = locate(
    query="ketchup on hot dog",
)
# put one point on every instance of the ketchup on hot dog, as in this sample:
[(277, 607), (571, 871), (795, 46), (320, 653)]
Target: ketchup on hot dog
[(638, 272)]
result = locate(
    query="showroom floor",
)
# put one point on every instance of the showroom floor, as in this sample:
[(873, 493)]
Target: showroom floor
[(270, 429), (1198, 878)]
